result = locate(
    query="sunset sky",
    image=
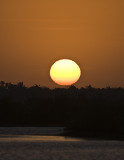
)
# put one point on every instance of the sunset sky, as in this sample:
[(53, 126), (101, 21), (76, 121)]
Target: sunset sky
[(36, 33)]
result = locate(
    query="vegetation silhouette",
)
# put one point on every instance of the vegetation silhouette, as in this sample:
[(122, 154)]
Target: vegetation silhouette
[(83, 112)]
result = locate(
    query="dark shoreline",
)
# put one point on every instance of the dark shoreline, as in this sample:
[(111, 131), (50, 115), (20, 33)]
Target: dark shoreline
[(97, 112), (61, 131), (93, 136), (100, 137)]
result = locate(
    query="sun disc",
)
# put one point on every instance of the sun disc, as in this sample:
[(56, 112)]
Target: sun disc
[(65, 72)]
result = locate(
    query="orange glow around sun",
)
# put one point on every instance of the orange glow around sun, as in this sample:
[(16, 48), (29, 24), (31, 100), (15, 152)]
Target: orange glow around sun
[(65, 72)]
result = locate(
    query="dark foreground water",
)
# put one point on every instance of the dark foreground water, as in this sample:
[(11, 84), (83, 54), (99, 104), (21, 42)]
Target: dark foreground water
[(15, 145)]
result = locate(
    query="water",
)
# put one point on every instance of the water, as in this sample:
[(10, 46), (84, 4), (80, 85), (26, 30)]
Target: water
[(24, 144)]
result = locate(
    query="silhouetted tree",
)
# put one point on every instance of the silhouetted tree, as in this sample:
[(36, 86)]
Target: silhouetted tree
[(2, 83), (85, 111)]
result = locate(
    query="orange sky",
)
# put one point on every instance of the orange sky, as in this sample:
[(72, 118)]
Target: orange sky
[(36, 33)]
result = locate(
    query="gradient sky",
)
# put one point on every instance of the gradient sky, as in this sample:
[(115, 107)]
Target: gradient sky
[(36, 33)]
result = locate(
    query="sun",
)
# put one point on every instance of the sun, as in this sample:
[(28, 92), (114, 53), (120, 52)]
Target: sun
[(65, 72)]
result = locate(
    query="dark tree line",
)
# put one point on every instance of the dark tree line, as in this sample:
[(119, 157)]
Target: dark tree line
[(84, 111)]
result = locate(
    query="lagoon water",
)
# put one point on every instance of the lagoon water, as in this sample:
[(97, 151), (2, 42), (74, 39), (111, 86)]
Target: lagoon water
[(41, 143)]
